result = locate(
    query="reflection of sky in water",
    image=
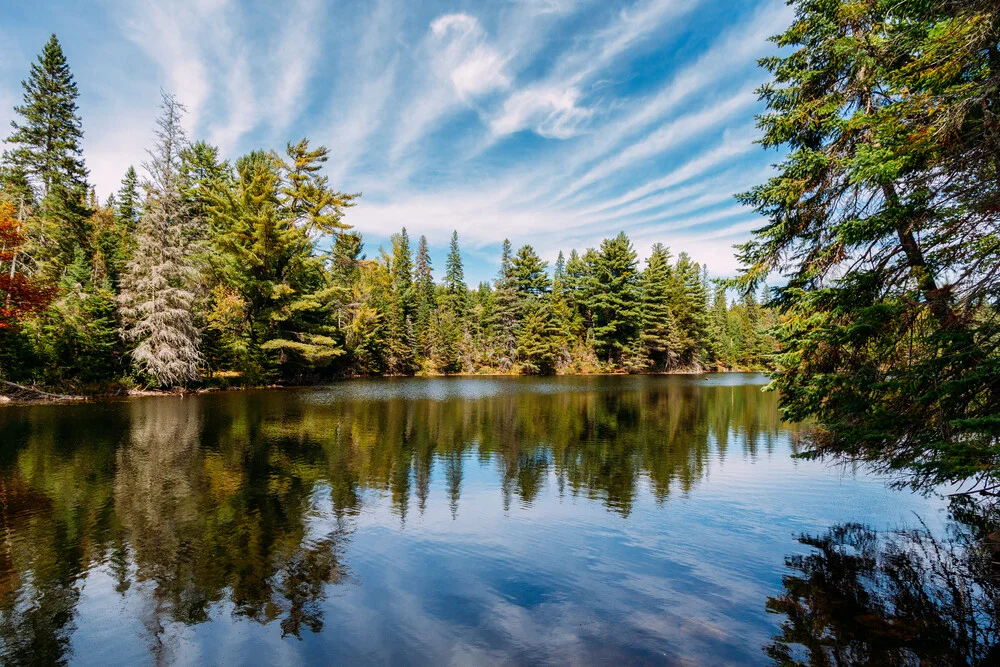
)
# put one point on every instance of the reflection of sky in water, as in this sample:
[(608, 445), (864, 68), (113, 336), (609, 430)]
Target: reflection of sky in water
[(561, 577), (440, 389)]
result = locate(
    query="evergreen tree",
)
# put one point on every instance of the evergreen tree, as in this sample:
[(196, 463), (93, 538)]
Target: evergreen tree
[(156, 295), (127, 203), (719, 335), (275, 314), (424, 289), (346, 258), (400, 333), (883, 219), (47, 153), (659, 330), (689, 306), (505, 311), (615, 302), (537, 338), (312, 202), (454, 278), (47, 138), (402, 272), (530, 276)]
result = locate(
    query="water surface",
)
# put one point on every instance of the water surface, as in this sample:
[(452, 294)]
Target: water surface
[(457, 520)]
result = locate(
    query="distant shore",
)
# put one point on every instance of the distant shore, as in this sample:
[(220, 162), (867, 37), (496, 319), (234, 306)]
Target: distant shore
[(18, 394)]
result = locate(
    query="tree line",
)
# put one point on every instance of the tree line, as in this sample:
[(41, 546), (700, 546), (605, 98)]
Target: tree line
[(204, 268)]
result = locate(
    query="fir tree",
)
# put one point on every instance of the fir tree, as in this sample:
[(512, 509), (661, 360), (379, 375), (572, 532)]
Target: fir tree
[(156, 293)]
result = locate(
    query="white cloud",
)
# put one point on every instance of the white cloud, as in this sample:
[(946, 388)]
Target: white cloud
[(552, 107), (298, 51), (462, 53), (552, 112), (242, 109), (672, 134)]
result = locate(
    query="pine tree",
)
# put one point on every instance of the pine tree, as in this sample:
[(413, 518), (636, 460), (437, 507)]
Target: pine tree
[(615, 302), (659, 330), (313, 203), (156, 298), (267, 260)]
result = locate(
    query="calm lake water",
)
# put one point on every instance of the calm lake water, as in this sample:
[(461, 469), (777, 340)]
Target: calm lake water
[(466, 520)]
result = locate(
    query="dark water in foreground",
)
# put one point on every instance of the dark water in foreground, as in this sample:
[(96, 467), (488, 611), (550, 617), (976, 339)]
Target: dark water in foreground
[(467, 521)]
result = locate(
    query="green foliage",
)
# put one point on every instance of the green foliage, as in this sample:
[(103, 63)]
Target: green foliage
[(660, 339), (883, 217), (615, 303)]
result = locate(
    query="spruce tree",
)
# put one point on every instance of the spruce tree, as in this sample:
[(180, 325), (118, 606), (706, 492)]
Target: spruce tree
[(615, 300), (537, 337), (47, 152), (47, 138), (659, 330), (530, 276), (402, 272), (156, 297), (454, 278), (721, 343), (424, 297), (400, 333), (128, 203), (505, 311)]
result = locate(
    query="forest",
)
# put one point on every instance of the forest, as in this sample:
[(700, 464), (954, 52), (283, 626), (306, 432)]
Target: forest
[(204, 270)]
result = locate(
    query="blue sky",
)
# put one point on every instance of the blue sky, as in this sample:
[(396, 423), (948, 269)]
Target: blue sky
[(551, 122)]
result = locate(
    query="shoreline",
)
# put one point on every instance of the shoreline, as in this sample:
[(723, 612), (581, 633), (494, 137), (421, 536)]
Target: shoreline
[(27, 395)]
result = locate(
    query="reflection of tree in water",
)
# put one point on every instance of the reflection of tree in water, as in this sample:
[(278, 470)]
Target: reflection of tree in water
[(864, 597), (597, 444), (246, 499), (55, 520), (209, 525)]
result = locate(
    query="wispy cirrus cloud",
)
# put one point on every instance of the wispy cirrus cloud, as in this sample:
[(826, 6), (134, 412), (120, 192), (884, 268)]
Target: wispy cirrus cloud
[(554, 122)]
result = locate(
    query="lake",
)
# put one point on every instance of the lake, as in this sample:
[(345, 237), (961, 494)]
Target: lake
[(571, 520)]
